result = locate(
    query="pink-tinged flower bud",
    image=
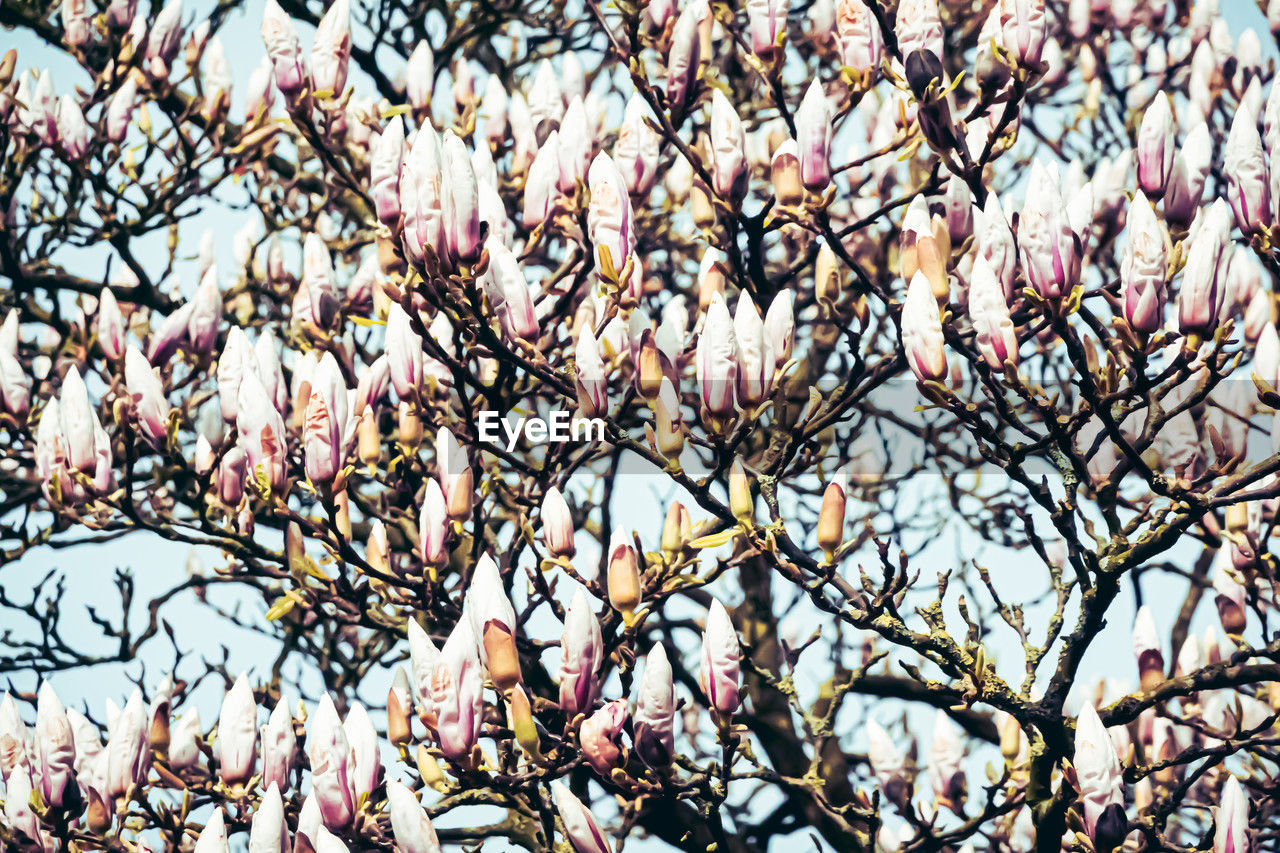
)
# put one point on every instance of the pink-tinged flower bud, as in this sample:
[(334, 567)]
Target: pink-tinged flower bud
[(1231, 824), (366, 767), (109, 326), (261, 432), (1098, 778), (150, 405), (321, 456), (609, 217), (780, 329), (419, 77), (331, 51), (557, 524), (959, 210), (331, 766), (1156, 146), (580, 827), (685, 54), (120, 110), (184, 741), (55, 746), (1200, 301), (623, 580), (422, 195), (78, 422), (589, 376), (1190, 171), (493, 622), (546, 100), (995, 337), (581, 655), (861, 42), (1022, 30), (318, 281), (433, 527), (13, 737), (73, 132), (540, 186), (267, 363), (164, 38), (494, 107), (720, 675), (717, 359), (120, 14), (15, 391), (637, 150), (457, 693), (260, 94), (128, 753), (283, 50), (423, 656), (1051, 250), (213, 838), (1266, 353), (813, 136), (385, 158), (1143, 267), (922, 331), (230, 478), (755, 361), (279, 746), (919, 27), (18, 814), (767, 20), (454, 472), (945, 770), (410, 825), (1257, 315), (461, 201), (729, 149), (404, 353), (599, 736), (1229, 595), (237, 734), (1146, 648), (573, 147), (1243, 161), (655, 714), (237, 358), (886, 761), (206, 312), (268, 831), (525, 141)]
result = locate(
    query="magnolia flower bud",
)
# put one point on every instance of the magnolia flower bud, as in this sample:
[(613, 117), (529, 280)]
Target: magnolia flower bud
[(717, 359), (684, 56), (720, 676), (654, 719), (589, 376), (860, 41), (1156, 145), (213, 838), (260, 93), (1146, 647), (149, 403), (55, 746), (600, 734), (1186, 182), (433, 528), (579, 826), (609, 216), (785, 174), (185, 737), (755, 361), (1098, 779), (1200, 300), (946, 754), (1229, 595), (493, 622), (366, 767), (919, 27), (331, 51), (994, 333), (886, 761), (410, 825), (830, 532), (268, 831), (461, 201), (385, 158), (261, 432), (457, 693), (582, 653), (813, 136), (1050, 248), (767, 21), (557, 524), (624, 581), (1231, 826), (404, 354), (281, 41), (1245, 165), (922, 331), (128, 753), (237, 734), (573, 155), (728, 149), (1143, 268)]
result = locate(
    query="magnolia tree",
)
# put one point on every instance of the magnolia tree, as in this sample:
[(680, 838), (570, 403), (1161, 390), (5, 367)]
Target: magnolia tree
[(589, 400)]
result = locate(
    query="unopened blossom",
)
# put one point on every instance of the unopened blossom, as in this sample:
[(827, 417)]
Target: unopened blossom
[(1146, 648), (1231, 824), (457, 693), (331, 52), (73, 131), (120, 109), (1229, 595), (557, 524), (385, 158), (1200, 300), (1049, 247), (493, 107), (685, 54), (546, 99), (720, 675), (919, 27), (609, 217), (755, 362), (1098, 778), (461, 201), (636, 151), (1156, 147), (581, 655), (1185, 187), (574, 151), (128, 753), (579, 825), (268, 831), (600, 734), (886, 760), (410, 825), (717, 359), (766, 21), (1022, 30), (589, 376), (946, 754), (1143, 267), (404, 354), (493, 622), (779, 328), (653, 723), (55, 747), (1244, 163), (261, 432), (332, 766), (366, 765), (728, 149), (164, 38), (149, 402), (859, 38), (995, 337), (433, 527), (813, 137), (922, 331), (423, 656), (281, 41), (185, 737), (237, 734)]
